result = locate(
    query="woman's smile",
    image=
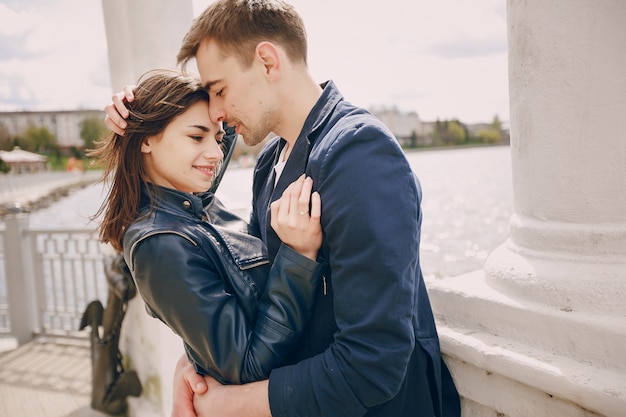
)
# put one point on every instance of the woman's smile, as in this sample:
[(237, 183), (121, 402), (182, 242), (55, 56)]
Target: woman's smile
[(208, 170)]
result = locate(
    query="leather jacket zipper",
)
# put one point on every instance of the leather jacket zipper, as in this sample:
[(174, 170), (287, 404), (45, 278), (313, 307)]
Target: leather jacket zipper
[(254, 265)]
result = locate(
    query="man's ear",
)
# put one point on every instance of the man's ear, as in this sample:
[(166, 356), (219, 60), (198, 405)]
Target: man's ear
[(270, 57)]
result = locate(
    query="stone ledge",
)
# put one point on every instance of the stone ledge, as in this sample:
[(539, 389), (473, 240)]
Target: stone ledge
[(468, 302)]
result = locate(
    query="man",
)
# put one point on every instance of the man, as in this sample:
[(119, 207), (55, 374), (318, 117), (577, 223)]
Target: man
[(371, 347)]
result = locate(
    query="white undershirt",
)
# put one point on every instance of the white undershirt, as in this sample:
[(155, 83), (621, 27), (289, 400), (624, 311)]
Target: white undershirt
[(280, 165)]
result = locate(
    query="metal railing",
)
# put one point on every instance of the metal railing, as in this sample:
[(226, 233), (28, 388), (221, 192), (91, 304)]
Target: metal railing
[(47, 278)]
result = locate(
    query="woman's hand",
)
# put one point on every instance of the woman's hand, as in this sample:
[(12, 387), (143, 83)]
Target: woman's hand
[(116, 111), (296, 217)]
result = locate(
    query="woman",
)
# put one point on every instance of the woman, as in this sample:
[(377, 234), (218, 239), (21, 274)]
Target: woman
[(192, 261)]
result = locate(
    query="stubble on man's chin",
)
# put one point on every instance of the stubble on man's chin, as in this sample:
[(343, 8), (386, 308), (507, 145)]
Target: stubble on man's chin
[(250, 140), (255, 138), (262, 131)]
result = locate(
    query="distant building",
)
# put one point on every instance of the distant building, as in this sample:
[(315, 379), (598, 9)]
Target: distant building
[(64, 125), (406, 127), (412, 132), (477, 128)]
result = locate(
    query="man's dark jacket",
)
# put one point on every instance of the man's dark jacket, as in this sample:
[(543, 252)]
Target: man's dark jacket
[(371, 347)]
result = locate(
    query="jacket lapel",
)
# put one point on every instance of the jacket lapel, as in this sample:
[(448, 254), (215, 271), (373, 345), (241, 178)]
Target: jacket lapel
[(295, 166)]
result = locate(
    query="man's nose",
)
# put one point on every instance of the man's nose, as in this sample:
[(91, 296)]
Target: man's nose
[(215, 112)]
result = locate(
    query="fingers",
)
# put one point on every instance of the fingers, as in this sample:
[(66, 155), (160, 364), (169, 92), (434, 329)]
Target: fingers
[(129, 92), (197, 384), (316, 206), (113, 120), (295, 193), (116, 111), (119, 103), (304, 197), (186, 383), (211, 382), (192, 379), (288, 202), (297, 201), (295, 217)]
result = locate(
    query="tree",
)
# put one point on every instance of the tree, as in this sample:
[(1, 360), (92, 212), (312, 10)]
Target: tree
[(413, 139), (450, 132), (39, 140), (496, 123), (493, 134), (4, 167), (6, 141), (457, 133), (92, 129)]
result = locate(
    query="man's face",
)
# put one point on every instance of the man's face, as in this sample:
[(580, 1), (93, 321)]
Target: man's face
[(239, 96)]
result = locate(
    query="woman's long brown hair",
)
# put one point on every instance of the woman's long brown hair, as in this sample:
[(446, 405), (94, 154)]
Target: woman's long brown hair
[(160, 96)]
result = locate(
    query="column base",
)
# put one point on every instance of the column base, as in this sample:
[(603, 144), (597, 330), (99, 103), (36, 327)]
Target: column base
[(520, 358), (568, 281)]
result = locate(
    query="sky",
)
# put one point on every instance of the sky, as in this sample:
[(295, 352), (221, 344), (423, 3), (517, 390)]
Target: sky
[(443, 59)]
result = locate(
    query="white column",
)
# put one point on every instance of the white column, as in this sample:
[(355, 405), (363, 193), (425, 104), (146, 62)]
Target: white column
[(22, 292), (144, 35), (568, 105), (541, 330)]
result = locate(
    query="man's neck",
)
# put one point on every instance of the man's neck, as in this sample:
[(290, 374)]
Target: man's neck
[(300, 95)]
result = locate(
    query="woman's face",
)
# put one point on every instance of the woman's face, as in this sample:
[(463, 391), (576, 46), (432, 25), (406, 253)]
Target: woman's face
[(186, 154)]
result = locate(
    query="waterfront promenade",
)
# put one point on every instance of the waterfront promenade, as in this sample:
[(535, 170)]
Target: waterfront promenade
[(33, 191), (47, 378)]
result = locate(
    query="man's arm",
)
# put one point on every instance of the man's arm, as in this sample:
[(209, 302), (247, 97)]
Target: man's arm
[(193, 392), (250, 400)]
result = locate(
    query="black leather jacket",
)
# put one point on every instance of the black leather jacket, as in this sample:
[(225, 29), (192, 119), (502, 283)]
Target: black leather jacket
[(205, 277)]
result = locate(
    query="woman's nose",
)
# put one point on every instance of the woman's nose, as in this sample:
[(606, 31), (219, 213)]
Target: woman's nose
[(213, 151)]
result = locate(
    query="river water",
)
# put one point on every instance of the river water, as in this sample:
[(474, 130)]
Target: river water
[(467, 204)]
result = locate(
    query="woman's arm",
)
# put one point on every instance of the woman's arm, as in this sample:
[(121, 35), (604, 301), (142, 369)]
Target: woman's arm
[(183, 287)]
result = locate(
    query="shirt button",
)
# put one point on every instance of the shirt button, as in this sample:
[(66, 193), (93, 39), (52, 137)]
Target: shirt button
[(187, 204)]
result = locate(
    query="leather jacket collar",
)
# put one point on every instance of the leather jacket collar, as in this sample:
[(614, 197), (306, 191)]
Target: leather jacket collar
[(171, 201)]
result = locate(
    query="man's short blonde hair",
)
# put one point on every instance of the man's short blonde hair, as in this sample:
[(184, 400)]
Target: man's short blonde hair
[(239, 26)]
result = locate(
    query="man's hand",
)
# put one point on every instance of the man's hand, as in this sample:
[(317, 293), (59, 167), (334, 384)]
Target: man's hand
[(186, 383), (116, 111), (250, 400)]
